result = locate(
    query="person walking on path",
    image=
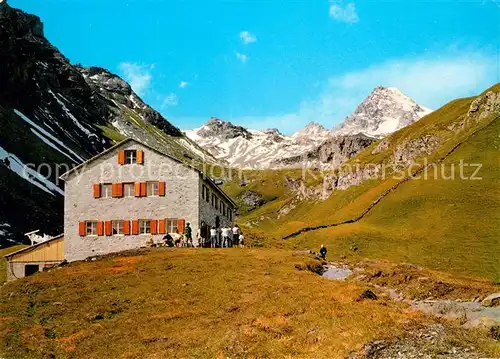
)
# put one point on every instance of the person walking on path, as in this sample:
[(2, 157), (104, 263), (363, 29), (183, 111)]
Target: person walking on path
[(323, 251)]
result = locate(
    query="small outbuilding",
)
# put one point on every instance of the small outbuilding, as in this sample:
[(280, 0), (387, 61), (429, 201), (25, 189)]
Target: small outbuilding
[(36, 258)]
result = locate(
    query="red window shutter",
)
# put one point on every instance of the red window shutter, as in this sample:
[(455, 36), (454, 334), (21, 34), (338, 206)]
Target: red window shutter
[(117, 190), (97, 190), (154, 226), (120, 189), (100, 228), (162, 226), (126, 227), (143, 189), (161, 188), (81, 229), (181, 223), (135, 226), (137, 189), (121, 157), (107, 228), (140, 157)]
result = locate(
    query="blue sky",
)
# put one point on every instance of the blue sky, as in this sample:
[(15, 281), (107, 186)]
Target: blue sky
[(279, 64)]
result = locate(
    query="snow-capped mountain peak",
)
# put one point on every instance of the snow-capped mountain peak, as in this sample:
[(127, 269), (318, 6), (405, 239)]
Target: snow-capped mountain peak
[(313, 129), (222, 129), (384, 111)]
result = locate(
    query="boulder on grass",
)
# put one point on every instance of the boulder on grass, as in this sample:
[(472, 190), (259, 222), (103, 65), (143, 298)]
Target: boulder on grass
[(367, 294), (491, 301)]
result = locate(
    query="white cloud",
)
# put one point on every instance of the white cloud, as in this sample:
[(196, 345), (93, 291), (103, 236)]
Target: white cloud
[(431, 80), (343, 13), (242, 57), (183, 84), (170, 100), (138, 76), (247, 37)]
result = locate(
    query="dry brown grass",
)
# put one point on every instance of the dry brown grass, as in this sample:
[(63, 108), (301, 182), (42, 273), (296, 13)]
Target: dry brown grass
[(192, 303), (189, 303)]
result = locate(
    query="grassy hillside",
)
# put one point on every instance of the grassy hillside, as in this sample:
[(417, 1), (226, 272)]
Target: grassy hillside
[(439, 223), (180, 303), (445, 224)]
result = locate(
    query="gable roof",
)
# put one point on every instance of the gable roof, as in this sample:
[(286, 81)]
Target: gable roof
[(66, 175), (30, 248)]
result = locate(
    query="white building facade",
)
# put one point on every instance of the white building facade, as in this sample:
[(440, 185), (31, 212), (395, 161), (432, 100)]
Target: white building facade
[(132, 194)]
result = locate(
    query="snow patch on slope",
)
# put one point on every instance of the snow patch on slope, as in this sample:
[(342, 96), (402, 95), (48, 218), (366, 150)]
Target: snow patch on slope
[(46, 137), (70, 115), (30, 175)]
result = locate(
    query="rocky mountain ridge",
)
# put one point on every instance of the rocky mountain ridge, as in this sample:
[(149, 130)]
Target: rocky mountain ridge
[(384, 111), (247, 148), (54, 115)]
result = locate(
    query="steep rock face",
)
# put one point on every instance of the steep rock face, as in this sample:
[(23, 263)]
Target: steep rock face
[(406, 152), (114, 88), (54, 115), (332, 152), (484, 106), (223, 129), (384, 111), (313, 130)]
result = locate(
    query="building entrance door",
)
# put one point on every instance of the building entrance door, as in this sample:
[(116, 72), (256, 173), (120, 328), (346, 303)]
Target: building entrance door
[(30, 269)]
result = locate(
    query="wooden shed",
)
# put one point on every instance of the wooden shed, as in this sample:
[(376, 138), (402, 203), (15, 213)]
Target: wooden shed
[(36, 258)]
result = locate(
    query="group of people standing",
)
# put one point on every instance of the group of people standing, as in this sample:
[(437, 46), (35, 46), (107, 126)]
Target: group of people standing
[(225, 237)]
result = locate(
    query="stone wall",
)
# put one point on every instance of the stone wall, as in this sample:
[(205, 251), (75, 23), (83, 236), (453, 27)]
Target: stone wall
[(181, 200), (208, 213), (15, 270)]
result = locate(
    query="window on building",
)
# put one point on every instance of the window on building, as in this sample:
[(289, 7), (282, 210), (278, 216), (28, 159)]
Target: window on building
[(204, 193), (217, 203), (223, 208), (230, 214), (130, 157), (207, 194), (153, 188), (128, 190), (171, 225), (213, 200), (106, 189), (91, 228), (144, 226), (117, 227)]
